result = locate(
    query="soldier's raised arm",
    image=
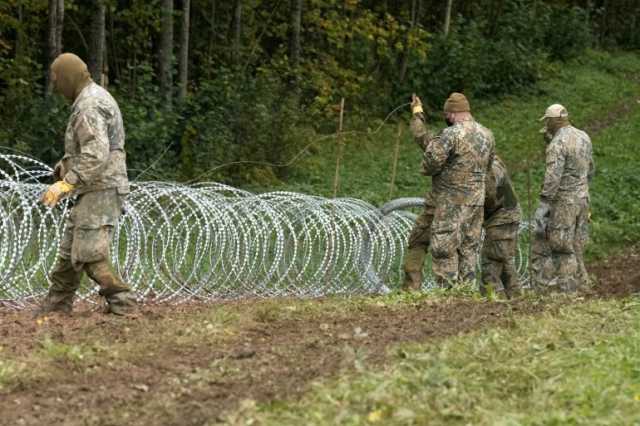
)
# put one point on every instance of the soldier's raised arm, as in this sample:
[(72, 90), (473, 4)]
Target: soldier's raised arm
[(91, 132), (418, 124)]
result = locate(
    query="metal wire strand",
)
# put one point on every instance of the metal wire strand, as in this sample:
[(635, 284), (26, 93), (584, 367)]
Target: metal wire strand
[(209, 241)]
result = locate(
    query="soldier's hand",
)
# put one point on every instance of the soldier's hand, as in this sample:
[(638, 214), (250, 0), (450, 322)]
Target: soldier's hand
[(541, 218), (58, 171), (55, 192), (416, 104)]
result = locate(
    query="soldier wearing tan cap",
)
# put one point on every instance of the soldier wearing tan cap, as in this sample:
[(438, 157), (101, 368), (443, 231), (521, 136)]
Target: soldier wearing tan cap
[(562, 218), (458, 160)]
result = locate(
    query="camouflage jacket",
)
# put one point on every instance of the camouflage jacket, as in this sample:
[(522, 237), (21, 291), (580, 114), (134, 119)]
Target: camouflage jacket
[(457, 159), (94, 157), (570, 166), (501, 203)]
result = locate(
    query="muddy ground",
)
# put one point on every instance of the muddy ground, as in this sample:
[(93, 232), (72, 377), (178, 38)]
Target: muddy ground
[(189, 365)]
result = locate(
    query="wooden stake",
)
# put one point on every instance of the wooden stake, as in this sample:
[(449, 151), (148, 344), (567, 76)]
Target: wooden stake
[(394, 168), (529, 206), (336, 178)]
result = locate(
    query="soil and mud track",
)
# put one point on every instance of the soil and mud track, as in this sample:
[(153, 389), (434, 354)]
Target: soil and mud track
[(268, 357)]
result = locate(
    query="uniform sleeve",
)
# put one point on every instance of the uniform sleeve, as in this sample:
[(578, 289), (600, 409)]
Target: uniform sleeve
[(420, 131), (90, 131), (553, 173), (437, 152)]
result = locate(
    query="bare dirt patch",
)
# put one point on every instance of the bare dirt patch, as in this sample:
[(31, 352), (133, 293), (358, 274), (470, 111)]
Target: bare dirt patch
[(270, 357), (619, 275), (153, 369)]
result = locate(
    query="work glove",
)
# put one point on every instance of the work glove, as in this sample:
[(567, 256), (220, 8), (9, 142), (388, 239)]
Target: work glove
[(541, 218), (416, 104), (59, 171), (55, 192)]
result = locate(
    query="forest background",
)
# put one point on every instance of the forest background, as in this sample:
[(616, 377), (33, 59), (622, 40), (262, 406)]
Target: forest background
[(234, 91)]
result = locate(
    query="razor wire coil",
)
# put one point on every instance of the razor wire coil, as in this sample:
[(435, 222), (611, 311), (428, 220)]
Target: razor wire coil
[(210, 241)]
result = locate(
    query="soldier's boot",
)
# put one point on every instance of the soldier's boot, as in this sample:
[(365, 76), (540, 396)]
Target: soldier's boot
[(510, 282), (567, 268), (412, 281), (65, 280), (413, 263), (120, 299)]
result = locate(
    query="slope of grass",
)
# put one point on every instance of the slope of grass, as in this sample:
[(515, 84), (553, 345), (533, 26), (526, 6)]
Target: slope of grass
[(577, 365), (601, 92)]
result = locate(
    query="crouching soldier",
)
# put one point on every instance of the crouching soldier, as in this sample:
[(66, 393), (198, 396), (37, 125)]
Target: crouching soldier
[(94, 169), (501, 222)]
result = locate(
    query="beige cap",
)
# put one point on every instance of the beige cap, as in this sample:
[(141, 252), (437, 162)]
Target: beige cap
[(457, 102), (555, 111)]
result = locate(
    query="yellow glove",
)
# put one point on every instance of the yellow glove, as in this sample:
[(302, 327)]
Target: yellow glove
[(416, 104), (55, 192)]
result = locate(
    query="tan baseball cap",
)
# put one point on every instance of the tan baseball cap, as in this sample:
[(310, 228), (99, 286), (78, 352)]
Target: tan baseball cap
[(555, 111)]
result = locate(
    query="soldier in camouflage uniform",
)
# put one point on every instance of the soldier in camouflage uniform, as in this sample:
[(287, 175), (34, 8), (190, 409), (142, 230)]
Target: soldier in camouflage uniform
[(501, 222), (458, 160), (94, 169), (562, 218)]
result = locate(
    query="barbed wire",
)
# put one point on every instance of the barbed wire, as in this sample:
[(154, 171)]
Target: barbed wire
[(210, 241)]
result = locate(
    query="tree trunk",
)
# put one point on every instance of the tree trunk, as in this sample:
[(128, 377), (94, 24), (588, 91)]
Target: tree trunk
[(51, 43), (405, 53), (447, 18), (166, 52), (237, 31), (184, 50), (20, 42), (54, 40), (59, 25), (212, 30), (294, 42), (96, 54)]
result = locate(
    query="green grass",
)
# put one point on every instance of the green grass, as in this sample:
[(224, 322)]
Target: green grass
[(592, 88), (576, 365)]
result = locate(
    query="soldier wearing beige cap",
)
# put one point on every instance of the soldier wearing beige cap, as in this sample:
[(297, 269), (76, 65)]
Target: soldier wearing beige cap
[(562, 218)]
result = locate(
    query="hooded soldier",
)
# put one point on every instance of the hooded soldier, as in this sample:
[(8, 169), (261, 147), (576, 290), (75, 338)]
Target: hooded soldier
[(94, 170), (562, 218), (458, 160)]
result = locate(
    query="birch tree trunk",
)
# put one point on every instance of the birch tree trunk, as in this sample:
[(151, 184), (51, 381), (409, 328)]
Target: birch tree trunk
[(447, 18)]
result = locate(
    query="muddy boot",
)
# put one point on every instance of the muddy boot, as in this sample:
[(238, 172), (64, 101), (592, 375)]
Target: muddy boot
[(412, 281), (55, 301), (65, 280), (121, 303), (120, 298)]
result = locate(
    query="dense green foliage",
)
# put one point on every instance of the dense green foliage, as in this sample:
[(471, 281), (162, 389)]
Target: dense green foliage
[(250, 101)]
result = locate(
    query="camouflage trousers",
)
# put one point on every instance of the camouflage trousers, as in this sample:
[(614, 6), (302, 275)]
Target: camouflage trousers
[(85, 247), (452, 233), (557, 258), (498, 259)]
